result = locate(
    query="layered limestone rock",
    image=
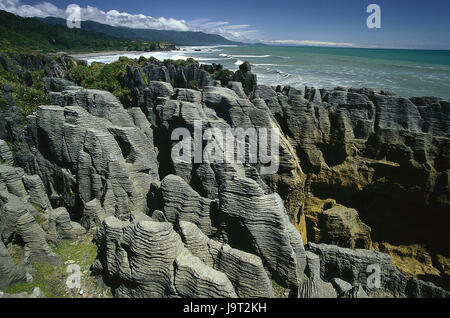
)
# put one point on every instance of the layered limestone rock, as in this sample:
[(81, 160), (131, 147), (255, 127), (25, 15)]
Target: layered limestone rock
[(89, 148), (373, 271), (17, 216), (354, 292), (11, 180), (5, 153), (222, 108), (193, 279), (61, 227), (180, 76), (9, 273), (36, 190), (258, 223), (93, 214), (245, 76), (315, 287), (245, 271), (181, 202), (148, 259), (384, 155), (18, 222)]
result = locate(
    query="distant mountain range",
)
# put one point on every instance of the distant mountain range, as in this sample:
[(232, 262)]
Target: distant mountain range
[(176, 37)]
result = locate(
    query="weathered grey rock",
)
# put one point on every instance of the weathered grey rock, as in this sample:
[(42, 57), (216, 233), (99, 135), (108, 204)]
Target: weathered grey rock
[(181, 202), (159, 216), (340, 285), (11, 177), (98, 103), (148, 259), (209, 187), (188, 95), (398, 113), (136, 150), (419, 289), (36, 190), (353, 266), (5, 153), (376, 146), (315, 287), (237, 88), (16, 220), (9, 273), (77, 149), (93, 214), (246, 77), (245, 271), (193, 279), (435, 113), (258, 223), (103, 174), (54, 84), (62, 227), (160, 89)]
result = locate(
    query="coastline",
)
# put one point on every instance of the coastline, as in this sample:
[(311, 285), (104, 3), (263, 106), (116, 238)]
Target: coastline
[(113, 53), (413, 74)]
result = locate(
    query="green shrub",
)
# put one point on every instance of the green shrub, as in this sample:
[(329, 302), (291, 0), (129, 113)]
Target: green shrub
[(193, 84), (105, 77), (144, 78), (182, 63), (28, 99), (224, 76)]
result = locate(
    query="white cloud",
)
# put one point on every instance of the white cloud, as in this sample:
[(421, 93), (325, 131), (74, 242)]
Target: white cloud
[(309, 43), (116, 18)]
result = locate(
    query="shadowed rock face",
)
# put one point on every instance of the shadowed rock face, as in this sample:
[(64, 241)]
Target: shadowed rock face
[(382, 154), (214, 229), (331, 223), (353, 266)]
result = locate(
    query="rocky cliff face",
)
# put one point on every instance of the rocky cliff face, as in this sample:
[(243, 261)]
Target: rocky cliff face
[(167, 228), (382, 154)]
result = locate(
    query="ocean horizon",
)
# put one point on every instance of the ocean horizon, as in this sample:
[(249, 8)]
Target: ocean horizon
[(406, 72)]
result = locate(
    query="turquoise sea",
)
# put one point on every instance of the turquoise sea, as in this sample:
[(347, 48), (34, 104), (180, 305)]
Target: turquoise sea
[(405, 72)]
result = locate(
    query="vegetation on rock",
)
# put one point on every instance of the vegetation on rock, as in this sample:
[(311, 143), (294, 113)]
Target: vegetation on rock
[(52, 279)]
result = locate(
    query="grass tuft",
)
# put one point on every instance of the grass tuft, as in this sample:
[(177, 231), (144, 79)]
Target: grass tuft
[(51, 279)]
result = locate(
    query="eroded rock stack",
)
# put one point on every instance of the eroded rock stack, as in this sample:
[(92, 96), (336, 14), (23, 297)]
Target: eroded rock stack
[(209, 228)]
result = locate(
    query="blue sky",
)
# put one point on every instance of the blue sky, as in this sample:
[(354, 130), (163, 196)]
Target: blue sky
[(405, 23)]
